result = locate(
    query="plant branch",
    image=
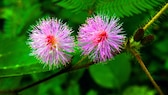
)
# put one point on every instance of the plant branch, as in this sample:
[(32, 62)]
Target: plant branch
[(64, 70), (35, 83), (156, 16), (41, 81), (138, 57), (54, 75)]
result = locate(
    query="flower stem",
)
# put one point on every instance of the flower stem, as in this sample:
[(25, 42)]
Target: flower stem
[(156, 16), (54, 75), (41, 81), (64, 70), (138, 57), (80, 61)]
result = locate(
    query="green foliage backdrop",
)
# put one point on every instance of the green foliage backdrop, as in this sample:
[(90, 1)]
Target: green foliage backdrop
[(121, 76)]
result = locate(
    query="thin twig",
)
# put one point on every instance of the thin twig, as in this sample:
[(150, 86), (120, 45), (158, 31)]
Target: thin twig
[(41, 81), (80, 61), (54, 75), (64, 70), (15, 91), (138, 57), (156, 16)]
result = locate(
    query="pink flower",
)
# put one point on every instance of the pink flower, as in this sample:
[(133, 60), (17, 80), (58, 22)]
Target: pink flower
[(101, 38), (51, 42)]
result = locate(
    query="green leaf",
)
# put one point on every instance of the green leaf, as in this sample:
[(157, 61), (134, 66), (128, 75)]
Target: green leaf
[(162, 46), (15, 59), (92, 92), (114, 73), (61, 85), (9, 83), (122, 8), (78, 58), (76, 5), (17, 22), (54, 87), (77, 18), (73, 89), (139, 90), (76, 55)]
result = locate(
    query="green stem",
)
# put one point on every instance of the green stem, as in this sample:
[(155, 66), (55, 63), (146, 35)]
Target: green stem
[(156, 16), (80, 61), (138, 57)]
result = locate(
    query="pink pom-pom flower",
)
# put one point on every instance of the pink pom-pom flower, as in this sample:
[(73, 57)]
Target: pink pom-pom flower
[(101, 37), (51, 42)]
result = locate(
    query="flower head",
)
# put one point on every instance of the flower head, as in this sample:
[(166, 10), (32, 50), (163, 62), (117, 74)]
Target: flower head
[(51, 42), (101, 38)]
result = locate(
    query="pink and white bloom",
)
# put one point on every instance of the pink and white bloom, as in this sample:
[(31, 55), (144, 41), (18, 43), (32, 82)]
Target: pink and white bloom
[(51, 42), (101, 37)]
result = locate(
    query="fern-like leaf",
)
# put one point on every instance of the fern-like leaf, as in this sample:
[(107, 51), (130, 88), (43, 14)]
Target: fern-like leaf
[(119, 8), (123, 8), (76, 5)]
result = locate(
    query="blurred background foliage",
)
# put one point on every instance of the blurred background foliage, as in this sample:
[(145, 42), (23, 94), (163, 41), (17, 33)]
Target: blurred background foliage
[(121, 76)]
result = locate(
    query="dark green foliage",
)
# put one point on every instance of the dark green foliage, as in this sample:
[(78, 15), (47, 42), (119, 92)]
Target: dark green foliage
[(113, 77), (119, 8), (121, 76), (15, 59), (138, 90), (5, 82), (19, 15), (123, 8), (77, 5)]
